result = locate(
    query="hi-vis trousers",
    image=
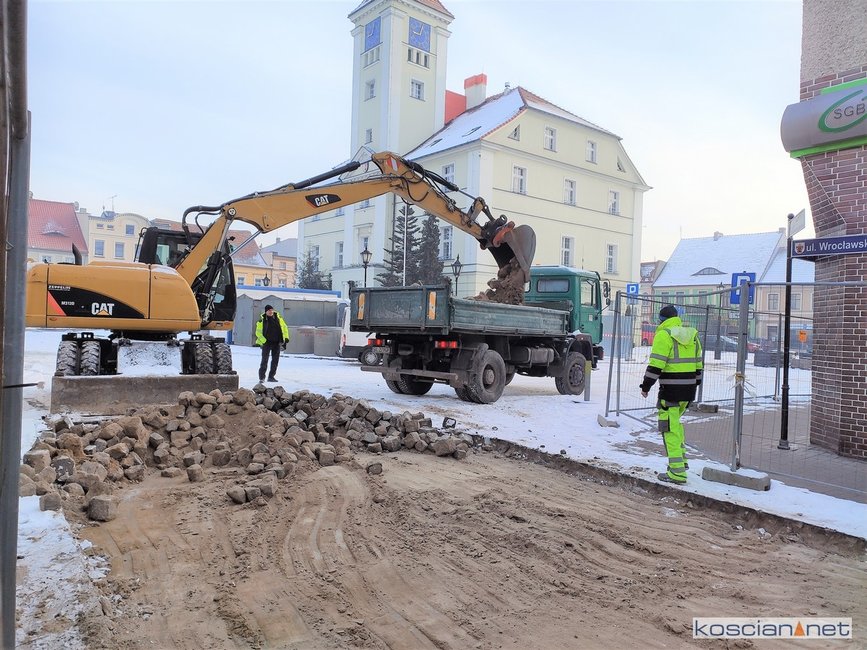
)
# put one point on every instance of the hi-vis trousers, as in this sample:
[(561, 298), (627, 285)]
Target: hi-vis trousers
[(673, 436)]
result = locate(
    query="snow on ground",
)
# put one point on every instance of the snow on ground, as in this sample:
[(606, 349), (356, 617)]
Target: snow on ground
[(530, 412)]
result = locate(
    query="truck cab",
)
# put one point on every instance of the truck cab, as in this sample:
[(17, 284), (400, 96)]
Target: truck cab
[(574, 290)]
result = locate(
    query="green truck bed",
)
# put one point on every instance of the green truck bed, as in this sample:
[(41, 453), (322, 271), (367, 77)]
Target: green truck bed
[(431, 309)]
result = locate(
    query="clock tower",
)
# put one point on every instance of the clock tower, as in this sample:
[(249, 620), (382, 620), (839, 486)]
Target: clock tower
[(398, 100)]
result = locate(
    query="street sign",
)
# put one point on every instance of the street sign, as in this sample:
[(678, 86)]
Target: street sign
[(812, 248), (797, 223), (737, 280), (632, 288), (802, 336)]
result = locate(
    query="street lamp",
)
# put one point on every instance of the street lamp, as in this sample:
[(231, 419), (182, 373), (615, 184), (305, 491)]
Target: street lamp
[(456, 269), (266, 281), (365, 260)]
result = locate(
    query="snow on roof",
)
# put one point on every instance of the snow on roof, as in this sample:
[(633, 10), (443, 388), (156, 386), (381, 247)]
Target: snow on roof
[(490, 115), (283, 248), (433, 4), (718, 257), (802, 270)]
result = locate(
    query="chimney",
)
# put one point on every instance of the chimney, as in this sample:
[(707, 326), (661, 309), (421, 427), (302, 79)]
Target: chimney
[(278, 241), (476, 89), (717, 235)]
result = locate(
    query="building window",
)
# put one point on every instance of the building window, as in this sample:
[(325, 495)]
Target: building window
[(99, 248), (773, 332), (516, 133), (620, 166), (591, 151), (569, 192), (118, 250), (110, 226), (418, 57), (702, 298), (257, 282), (796, 302), (550, 139), (371, 56), (613, 202), (314, 257), (240, 280), (338, 254), (130, 229), (446, 240), (416, 89), (368, 136), (100, 226), (519, 179), (774, 302), (370, 89), (567, 245), (449, 172), (611, 258), (365, 240), (364, 204), (281, 283), (282, 266)]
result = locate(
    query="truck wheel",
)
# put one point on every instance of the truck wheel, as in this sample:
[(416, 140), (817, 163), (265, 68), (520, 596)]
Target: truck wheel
[(67, 359), (509, 377), (204, 358), (410, 385), (489, 381), (571, 382), (393, 386), (367, 357), (90, 358), (223, 358), (461, 392)]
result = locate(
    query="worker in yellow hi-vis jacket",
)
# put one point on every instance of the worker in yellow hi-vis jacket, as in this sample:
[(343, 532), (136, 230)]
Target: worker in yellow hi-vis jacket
[(675, 360)]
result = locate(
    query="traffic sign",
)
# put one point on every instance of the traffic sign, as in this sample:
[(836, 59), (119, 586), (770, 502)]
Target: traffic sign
[(813, 248), (737, 280), (632, 288)]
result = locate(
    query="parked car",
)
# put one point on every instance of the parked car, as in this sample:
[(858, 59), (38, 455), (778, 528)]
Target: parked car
[(726, 343), (753, 345)]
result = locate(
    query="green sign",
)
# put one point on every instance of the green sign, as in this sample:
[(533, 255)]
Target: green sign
[(836, 119)]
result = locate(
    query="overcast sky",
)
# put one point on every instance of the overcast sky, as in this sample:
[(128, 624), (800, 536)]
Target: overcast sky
[(152, 107)]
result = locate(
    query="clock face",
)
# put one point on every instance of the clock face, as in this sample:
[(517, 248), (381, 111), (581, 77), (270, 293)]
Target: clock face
[(371, 34), (419, 34)]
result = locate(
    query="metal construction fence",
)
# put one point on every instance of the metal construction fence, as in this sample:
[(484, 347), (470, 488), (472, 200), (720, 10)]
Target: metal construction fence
[(741, 416)]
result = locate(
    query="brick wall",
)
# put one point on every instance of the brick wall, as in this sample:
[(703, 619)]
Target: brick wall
[(837, 188)]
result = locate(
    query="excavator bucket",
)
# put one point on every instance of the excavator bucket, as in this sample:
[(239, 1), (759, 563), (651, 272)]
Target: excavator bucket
[(518, 243)]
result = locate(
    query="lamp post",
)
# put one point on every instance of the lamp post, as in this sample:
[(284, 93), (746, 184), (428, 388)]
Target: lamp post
[(365, 260), (266, 281), (456, 269)]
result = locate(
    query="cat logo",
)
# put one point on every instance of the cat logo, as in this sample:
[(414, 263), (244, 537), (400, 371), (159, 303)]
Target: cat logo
[(322, 200), (102, 308)]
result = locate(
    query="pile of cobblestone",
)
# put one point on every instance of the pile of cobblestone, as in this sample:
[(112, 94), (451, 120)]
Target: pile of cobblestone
[(254, 437)]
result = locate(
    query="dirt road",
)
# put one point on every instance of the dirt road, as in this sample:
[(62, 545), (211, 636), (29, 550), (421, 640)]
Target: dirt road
[(489, 552)]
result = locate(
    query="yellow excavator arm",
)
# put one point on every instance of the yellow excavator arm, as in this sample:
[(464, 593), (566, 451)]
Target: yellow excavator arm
[(270, 210)]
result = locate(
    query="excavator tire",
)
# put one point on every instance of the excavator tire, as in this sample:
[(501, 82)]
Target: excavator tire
[(89, 362), (571, 382), (222, 359), (393, 386), (204, 358), (410, 385), (489, 380), (67, 359)]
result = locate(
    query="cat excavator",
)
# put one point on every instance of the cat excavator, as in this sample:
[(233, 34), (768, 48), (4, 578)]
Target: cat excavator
[(183, 281)]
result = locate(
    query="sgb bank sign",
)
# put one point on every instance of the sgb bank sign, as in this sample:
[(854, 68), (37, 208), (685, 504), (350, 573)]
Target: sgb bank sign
[(834, 120)]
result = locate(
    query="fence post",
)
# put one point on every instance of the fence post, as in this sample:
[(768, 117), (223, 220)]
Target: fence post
[(706, 323), (743, 331), (614, 355)]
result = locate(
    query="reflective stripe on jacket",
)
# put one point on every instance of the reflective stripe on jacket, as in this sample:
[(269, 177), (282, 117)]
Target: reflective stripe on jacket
[(675, 360)]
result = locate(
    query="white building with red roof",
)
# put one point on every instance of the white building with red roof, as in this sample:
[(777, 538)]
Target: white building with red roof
[(53, 229), (568, 178)]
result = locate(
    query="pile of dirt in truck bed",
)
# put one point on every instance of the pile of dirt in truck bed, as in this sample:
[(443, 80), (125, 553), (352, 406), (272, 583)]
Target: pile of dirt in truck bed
[(507, 288), (264, 519)]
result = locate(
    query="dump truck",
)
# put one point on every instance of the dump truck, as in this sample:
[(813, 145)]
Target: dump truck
[(425, 335)]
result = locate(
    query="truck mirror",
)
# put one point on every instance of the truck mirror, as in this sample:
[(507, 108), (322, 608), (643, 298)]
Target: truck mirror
[(606, 290)]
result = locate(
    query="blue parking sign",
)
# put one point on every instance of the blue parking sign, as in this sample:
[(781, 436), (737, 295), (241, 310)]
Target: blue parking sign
[(631, 288), (737, 280)]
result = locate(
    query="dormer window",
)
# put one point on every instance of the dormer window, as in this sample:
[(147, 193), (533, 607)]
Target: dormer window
[(709, 270)]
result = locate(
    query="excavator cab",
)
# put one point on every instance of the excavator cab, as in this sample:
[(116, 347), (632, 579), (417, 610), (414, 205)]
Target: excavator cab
[(214, 286)]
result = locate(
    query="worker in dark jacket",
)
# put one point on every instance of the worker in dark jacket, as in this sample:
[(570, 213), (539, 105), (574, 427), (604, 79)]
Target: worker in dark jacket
[(271, 334), (675, 360)]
